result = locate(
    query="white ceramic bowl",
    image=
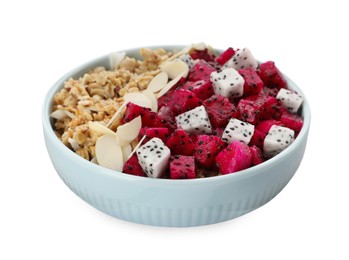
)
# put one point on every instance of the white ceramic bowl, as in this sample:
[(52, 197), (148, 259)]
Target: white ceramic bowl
[(163, 202)]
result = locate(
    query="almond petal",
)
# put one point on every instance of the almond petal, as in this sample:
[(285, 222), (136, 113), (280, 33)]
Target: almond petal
[(129, 131), (137, 146), (153, 99), (126, 151), (138, 99), (115, 58), (158, 82), (175, 68), (98, 127), (109, 153), (117, 113), (170, 85), (58, 114)]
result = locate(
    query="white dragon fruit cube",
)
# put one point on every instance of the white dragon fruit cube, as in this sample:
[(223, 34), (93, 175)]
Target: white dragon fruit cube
[(242, 58), (237, 130), (277, 139), (154, 157), (228, 83), (195, 121), (188, 60), (290, 100)]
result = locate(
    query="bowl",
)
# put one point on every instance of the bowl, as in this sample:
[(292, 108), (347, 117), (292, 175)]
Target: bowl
[(165, 202)]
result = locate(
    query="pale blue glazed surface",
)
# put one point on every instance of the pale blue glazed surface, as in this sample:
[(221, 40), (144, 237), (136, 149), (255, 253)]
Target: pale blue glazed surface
[(175, 203)]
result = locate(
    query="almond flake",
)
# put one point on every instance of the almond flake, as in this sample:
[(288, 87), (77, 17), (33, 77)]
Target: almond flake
[(158, 82), (59, 114), (99, 127), (175, 68), (109, 153), (126, 151), (138, 99), (137, 146), (170, 85), (153, 99), (115, 58), (126, 133), (117, 113)]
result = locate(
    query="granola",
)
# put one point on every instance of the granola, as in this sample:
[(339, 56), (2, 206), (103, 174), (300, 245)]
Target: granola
[(97, 95)]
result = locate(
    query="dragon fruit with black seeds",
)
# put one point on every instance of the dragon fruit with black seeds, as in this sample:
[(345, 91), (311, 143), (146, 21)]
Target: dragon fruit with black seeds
[(236, 157), (277, 139), (220, 110), (182, 167), (180, 143), (253, 83), (228, 83), (228, 114), (290, 100), (195, 121), (201, 71), (188, 60), (242, 59), (133, 167), (225, 56), (271, 76), (153, 156), (206, 150), (201, 88), (237, 130), (182, 100), (151, 132)]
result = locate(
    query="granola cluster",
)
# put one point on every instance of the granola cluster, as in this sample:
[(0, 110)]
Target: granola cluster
[(97, 96)]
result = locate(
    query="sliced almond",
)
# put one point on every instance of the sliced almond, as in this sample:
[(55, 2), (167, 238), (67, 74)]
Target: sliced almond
[(170, 85), (117, 113), (94, 160), (175, 68), (138, 99), (153, 99), (99, 127), (74, 144), (200, 46), (158, 82), (137, 146), (109, 153), (126, 151), (126, 133), (58, 114), (115, 58)]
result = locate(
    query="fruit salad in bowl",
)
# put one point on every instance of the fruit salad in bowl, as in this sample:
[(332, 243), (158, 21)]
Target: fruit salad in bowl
[(163, 119)]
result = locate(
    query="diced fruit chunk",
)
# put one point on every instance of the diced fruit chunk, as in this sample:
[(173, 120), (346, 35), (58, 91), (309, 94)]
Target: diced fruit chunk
[(225, 56), (242, 58), (220, 110), (290, 100), (264, 126), (182, 167), (133, 167), (201, 71), (182, 100), (253, 83), (236, 157), (292, 121), (277, 139), (195, 121), (153, 157), (228, 83), (257, 156), (271, 76), (206, 150), (180, 143), (133, 110), (160, 132), (237, 130), (201, 88)]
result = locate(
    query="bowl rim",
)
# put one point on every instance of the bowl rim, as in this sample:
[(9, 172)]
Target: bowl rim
[(100, 170)]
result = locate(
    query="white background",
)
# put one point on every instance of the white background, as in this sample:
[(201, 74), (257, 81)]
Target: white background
[(40, 40)]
